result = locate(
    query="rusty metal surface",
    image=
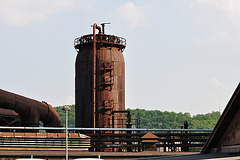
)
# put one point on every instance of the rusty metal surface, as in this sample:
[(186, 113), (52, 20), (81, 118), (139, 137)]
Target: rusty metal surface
[(9, 118), (31, 111), (108, 140), (7, 112), (46, 141), (109, 80), (107, 40)]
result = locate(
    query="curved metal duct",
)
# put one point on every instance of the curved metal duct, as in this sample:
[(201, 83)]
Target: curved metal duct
[(10, 118), (8, 112), (31, 111)]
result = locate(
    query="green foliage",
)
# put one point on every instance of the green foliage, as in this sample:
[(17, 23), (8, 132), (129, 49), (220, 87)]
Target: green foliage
[(156, 119), (71, 115)]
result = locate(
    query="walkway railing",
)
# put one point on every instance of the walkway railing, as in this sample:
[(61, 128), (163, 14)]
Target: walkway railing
[(106, 139)]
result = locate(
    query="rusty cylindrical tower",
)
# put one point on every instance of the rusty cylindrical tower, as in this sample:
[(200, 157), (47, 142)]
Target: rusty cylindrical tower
[(99, 80)]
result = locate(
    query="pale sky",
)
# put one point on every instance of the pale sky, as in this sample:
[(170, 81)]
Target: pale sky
[(181, 56)]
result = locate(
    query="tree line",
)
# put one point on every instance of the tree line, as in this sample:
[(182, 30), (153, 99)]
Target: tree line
[(156, 119)]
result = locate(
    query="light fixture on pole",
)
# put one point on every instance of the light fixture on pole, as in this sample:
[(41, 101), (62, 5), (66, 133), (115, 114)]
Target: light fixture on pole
[(66, 109)]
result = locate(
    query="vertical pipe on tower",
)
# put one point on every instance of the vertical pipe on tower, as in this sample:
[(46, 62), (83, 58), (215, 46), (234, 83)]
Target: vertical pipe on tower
[(94, 74)]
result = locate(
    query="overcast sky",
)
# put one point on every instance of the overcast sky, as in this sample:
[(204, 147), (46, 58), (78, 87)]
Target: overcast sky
[(181, 56)]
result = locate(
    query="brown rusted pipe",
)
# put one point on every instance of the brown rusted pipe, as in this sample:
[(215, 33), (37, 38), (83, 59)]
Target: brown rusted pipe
[(95, 26), (31, 111), (8, 112), (98, 28), (94, 73)]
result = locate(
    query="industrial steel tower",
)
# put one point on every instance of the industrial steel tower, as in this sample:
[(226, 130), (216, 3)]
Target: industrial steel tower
[(99, 80)]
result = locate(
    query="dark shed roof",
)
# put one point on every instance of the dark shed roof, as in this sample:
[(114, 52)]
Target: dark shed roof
[(227, 130)]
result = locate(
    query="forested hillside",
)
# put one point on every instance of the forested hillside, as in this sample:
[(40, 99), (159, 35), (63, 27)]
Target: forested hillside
[(171, 120), (159, 119)]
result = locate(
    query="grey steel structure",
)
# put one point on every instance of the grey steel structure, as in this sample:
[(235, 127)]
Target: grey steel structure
[(99, 80)]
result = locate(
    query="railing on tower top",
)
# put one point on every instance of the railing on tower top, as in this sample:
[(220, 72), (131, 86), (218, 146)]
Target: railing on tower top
[(111, 39)]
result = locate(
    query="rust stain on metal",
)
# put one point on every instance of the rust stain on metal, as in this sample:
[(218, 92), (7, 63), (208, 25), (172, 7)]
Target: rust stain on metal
[(100, 80), (31, 111)]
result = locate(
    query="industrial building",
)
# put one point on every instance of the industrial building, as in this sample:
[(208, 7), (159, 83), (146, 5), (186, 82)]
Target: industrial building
[(100, 80), (100, 106)]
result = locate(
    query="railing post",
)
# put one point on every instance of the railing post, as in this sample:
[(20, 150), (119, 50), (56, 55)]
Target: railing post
[(185, 148)]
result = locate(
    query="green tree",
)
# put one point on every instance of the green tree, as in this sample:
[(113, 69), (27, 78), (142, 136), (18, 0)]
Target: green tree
[(158, 119)]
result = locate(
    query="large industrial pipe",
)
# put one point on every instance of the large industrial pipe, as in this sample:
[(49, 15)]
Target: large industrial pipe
[(31, 111), (95, 26)]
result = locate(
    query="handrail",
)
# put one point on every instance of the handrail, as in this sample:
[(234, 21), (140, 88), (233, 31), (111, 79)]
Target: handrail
[(108, 129), (100, 38)]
